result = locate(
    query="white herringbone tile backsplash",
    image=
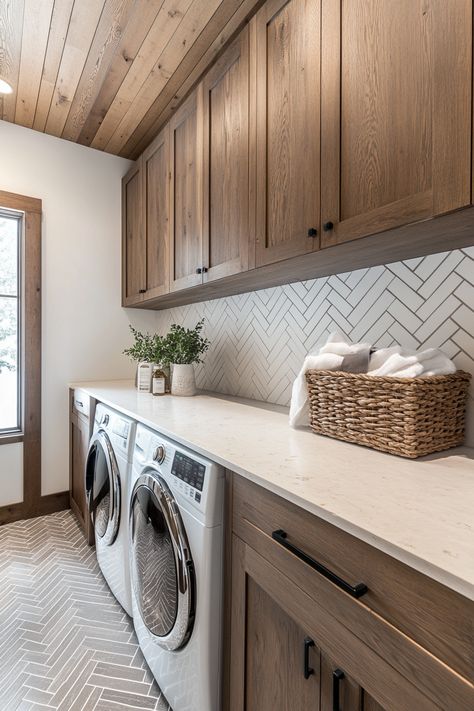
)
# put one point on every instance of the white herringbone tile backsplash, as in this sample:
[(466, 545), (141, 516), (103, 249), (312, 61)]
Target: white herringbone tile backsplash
[(259, 339)]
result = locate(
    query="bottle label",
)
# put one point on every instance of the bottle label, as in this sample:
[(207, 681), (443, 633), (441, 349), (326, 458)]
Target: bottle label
[(158, 386)]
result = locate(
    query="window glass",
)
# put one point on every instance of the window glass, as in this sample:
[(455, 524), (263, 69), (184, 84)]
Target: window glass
[(9, 323)]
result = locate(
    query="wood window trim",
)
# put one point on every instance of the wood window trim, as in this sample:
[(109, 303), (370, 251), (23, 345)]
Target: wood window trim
[(33, 503)]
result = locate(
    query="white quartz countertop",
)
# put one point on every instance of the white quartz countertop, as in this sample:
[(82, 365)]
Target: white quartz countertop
[(418, 511)]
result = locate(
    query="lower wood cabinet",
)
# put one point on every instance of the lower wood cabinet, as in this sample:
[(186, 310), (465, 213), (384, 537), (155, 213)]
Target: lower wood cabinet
[(80, 424), (299, 638)]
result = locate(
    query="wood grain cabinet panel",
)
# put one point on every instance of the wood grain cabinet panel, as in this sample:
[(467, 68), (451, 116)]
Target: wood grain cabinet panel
[(286, 59), (186, 193), (226, 163), (79, 436), (340, 691), (155, 168), (396, 113), (133, 238)]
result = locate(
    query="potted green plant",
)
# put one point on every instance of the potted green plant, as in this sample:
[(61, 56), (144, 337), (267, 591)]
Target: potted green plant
[(142, 352), (183, 347)]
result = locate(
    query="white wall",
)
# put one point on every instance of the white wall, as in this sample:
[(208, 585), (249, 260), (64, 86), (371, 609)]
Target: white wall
[(84, 327)]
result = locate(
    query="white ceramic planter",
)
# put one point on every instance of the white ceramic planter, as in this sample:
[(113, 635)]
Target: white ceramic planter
[(183, 382)]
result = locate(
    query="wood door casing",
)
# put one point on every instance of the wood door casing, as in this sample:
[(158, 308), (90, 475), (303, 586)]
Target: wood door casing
[(133, 238), (156, 207), (226, 228), (286, 62), (396, 113), (186, 165)]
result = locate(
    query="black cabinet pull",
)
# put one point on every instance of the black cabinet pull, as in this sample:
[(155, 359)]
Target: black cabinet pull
[(337, 677), (78, 402), (199, 270), (354, 590), (204, 270), (328, 226), (312, 232), (307, 670), (142, 291)]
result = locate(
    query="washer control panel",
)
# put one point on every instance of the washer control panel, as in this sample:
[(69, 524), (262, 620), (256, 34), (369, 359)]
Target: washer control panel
[(189, 471)]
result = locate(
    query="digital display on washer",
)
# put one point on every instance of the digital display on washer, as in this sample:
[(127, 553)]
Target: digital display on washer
[(188, 470)]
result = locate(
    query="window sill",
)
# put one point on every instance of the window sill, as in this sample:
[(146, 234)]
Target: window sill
[(11, 438)]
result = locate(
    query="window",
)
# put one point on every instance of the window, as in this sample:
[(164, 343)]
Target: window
[(10, 321)]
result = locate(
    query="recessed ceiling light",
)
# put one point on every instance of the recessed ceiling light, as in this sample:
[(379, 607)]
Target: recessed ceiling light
[(5, 87)]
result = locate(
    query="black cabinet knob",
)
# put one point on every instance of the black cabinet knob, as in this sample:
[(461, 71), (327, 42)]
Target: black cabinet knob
[(312, 232), (199, 270), (204, 270), (327, 227)]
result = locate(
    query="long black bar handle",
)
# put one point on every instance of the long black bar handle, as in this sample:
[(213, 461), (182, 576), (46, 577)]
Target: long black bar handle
[(354, 590), (337, 677), (307, 670)]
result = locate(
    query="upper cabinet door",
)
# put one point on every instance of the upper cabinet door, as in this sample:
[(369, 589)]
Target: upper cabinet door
[(286, 59), (156, 205), (226, 163), (133, 238), (396, 108), (186, 153)]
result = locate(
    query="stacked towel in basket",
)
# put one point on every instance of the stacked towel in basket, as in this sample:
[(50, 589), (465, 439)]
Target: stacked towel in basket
[(338, 353)]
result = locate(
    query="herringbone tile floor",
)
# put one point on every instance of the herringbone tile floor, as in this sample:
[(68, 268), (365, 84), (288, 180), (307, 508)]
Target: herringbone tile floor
[(65, 643)]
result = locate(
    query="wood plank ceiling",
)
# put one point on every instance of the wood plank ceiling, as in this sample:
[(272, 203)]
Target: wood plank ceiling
[(108, 73)]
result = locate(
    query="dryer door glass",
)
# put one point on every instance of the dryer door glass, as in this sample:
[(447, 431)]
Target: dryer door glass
[(103, 488), (162, 570)]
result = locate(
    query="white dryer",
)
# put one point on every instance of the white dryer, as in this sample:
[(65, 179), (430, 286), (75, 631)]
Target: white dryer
[(108, 471), (176, 555)]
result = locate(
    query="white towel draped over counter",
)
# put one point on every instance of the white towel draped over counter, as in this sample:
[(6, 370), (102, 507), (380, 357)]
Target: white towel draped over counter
[(396, 362)]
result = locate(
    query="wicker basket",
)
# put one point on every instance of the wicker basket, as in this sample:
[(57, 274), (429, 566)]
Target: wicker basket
[(406, 416)]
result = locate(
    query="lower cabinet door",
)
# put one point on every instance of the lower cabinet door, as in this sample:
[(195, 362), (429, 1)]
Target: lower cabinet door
[(277, 665), (79, 443)]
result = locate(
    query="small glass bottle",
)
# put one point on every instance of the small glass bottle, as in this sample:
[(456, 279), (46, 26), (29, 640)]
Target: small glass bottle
[(158, 382)]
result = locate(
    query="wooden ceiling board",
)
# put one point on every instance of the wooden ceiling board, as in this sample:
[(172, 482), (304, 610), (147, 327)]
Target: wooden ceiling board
[(114, 17), (57, 37), (165, 26), (108, 73), (36, 22), (133, 36), (82, 27), (11, 30)]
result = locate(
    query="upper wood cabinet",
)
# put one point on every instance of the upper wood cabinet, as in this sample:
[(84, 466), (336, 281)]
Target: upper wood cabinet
[(286, 62), (324, 121), (226, 226), (133, 238), (396, 113), (155, 169), (186, 169)]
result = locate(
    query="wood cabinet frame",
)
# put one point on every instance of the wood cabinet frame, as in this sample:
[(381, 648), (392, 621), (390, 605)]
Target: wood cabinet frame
[(238, 51)]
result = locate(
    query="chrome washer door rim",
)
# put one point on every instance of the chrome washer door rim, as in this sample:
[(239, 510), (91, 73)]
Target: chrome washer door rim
[(181, 630), (102, 440)]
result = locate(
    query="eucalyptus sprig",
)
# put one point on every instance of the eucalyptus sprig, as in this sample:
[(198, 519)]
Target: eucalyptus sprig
[(143, 347), (185, 345)]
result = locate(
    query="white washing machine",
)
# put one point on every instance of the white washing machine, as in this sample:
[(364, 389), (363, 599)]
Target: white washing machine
[(176, 555), (108, 470)]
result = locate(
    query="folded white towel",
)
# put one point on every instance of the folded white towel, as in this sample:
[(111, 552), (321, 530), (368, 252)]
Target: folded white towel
[(330, 356), (403, 363), (299, 408)]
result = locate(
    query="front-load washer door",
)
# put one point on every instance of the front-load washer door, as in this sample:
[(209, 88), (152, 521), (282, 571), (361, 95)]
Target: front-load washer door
[(162, 569), (103, 488)]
